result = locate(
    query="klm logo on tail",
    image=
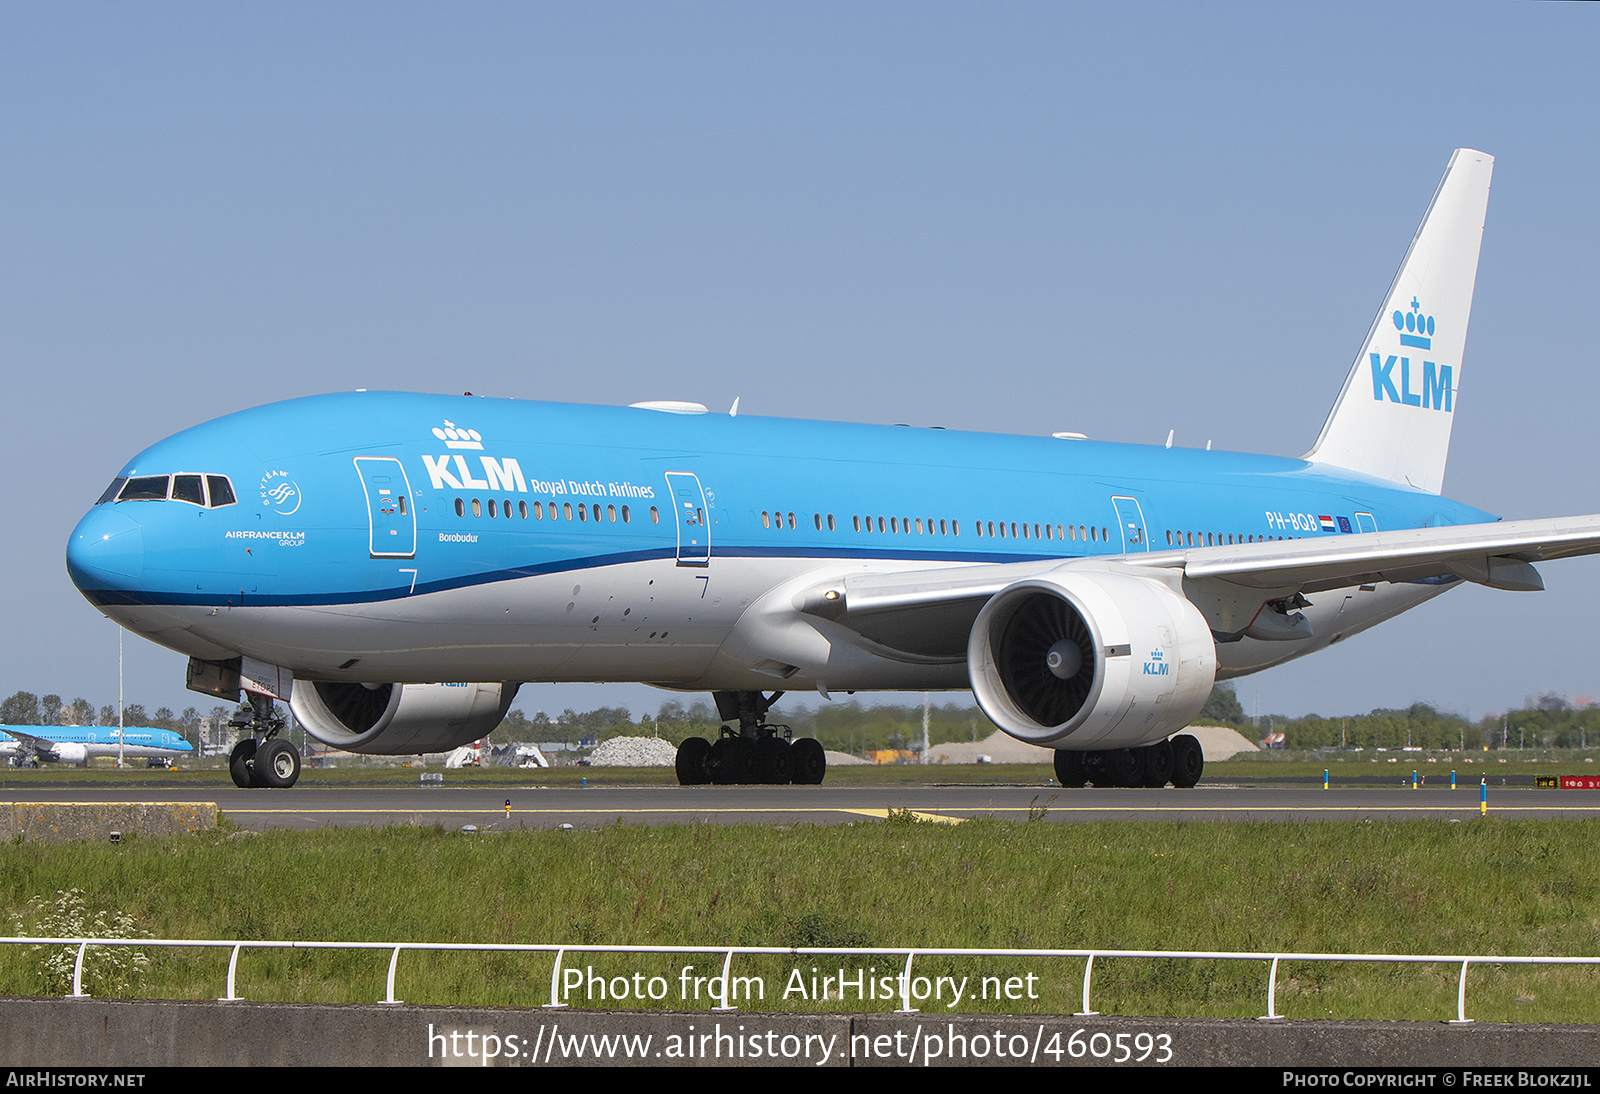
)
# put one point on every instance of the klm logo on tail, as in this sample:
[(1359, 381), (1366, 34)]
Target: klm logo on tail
[(1438, 389)]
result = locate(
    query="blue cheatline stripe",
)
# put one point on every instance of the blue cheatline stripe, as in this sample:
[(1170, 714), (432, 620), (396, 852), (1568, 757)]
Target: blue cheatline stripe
[(110, 598)]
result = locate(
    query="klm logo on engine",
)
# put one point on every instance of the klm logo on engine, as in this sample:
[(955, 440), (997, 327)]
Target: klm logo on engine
[(1393, 375), (1157, 665)]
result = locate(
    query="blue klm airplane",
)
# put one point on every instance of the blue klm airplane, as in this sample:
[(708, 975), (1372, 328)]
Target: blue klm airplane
[(28, 746), (351, 553)]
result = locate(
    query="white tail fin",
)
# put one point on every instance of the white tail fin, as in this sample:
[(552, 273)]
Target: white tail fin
[(1392, 419)]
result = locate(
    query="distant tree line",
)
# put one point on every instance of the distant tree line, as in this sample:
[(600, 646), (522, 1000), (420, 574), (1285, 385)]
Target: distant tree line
[(848, 726), (1547, 721)]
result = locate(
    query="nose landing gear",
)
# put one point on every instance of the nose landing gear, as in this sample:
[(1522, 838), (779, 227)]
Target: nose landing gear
[(263, 758)]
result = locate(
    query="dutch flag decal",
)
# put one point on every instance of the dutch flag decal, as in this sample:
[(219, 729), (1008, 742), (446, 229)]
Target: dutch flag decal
[(1326, 522)]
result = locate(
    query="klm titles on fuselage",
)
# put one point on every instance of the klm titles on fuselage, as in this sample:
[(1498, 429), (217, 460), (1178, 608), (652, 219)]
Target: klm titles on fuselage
[(505, 476), (1438, 389)]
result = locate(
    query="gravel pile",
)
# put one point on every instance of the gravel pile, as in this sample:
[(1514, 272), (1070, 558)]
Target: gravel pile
[(634, 752)]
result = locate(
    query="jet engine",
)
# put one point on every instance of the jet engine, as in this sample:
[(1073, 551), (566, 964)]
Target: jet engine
[(1091, 659), (70, 752), (400, 719)]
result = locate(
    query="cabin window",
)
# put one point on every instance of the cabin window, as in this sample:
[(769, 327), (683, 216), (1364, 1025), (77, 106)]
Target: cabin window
[(461, 509), (830, 522), (625, 517), (655, 515)]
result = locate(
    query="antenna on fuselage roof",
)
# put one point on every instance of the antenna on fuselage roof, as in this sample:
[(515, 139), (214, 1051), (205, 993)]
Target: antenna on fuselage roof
[(733, 411)]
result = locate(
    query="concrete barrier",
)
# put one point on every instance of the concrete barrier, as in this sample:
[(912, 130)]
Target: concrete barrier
[(110, 1034), (60, 822)]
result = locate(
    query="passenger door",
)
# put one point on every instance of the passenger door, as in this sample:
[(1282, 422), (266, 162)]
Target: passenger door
[(391, 516), (693, 518)]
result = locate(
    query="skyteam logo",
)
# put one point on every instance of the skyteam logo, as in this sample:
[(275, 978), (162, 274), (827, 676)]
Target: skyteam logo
[(1438, 381), (280, 493), (454, 436)]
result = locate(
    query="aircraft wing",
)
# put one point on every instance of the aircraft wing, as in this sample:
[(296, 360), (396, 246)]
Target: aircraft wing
[(930, 612), (28, 744), (1498, 555)]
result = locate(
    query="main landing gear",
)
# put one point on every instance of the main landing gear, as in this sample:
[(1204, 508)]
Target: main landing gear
[(1178, 761), (754, 753), (263, 758)]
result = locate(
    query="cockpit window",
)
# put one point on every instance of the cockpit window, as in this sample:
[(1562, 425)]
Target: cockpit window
[(113, 490), (187, 488), (191, 488), (145, 488), (221, 490)]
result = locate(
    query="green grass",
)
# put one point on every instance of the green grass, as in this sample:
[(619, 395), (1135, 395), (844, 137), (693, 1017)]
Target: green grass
[(1492, 887)]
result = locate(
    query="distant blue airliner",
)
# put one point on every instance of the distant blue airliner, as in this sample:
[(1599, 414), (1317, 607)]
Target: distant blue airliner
[(347, 553), (29, 746)]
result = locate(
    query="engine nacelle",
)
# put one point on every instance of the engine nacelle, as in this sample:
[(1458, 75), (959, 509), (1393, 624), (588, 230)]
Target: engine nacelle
[(71, 752), (400, 719), (1091, 659)]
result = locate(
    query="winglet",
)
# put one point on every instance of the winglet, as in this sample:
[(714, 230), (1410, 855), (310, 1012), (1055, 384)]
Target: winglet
[(1393, 418)]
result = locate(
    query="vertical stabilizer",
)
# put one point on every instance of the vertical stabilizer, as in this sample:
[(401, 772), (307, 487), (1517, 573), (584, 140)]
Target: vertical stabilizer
[(1392, 420)]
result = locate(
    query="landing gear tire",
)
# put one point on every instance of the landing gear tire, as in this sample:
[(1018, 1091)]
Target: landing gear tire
[(731, 761), (1158, 764), (691, 762), (774, 764), (277, 764), (1187, 760), (809, 762), (239, 764), (1119, 767), (1069, 769)]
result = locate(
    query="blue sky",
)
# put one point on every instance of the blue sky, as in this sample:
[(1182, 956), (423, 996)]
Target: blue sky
[(1116, 219)]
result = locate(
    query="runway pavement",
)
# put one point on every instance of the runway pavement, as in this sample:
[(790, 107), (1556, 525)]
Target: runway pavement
[(535, 807)]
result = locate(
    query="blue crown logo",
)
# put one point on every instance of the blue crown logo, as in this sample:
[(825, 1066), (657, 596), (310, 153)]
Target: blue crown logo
[(455, 436), (1415, 328)]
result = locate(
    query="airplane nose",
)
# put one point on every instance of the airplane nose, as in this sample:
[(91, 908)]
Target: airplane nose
[(106, 552)]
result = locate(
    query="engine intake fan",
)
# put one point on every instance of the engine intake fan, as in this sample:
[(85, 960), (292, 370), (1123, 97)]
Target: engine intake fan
[(1085, 659)]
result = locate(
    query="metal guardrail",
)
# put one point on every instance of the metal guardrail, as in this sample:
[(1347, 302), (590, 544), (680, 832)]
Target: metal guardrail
[(729, 952)]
